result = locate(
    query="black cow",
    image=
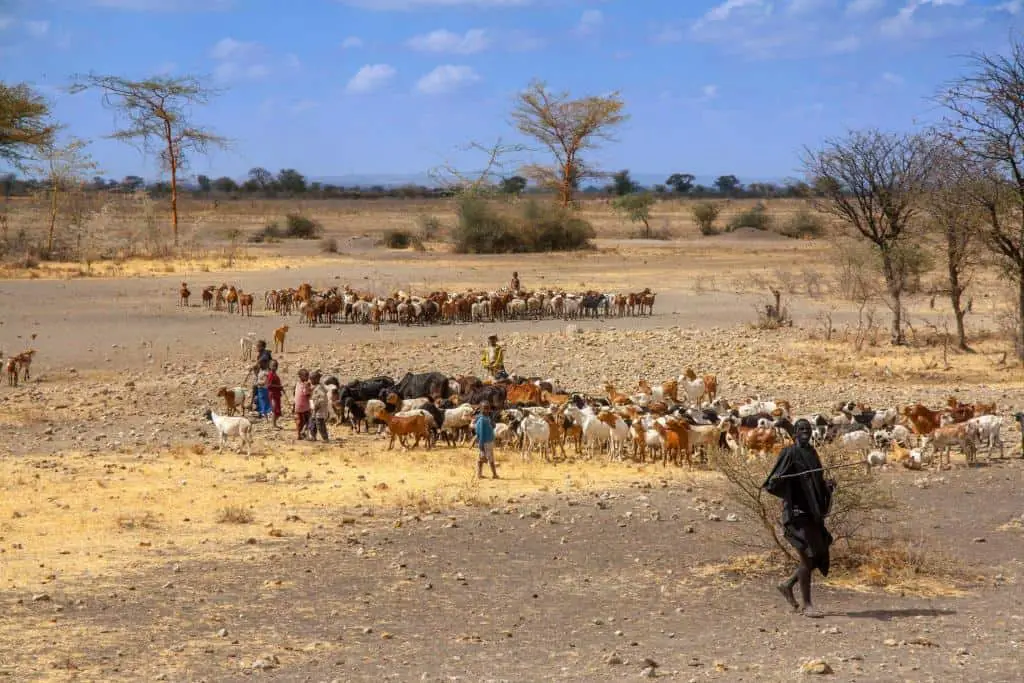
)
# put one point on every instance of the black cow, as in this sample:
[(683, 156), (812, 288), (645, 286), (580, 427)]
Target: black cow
[(364, 390), (492, 394), (430, 385)]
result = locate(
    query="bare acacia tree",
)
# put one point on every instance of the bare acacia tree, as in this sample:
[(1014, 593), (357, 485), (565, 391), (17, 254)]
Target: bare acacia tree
[(956, 218), (64, 168), (987, 122), (158, 110), (874, 181), (566, 127), (483, 180)]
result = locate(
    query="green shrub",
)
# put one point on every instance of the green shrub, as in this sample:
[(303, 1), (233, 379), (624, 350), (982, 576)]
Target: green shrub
[(490, 228), (705, 214), (301, 227), (401, 239), (757, 218), (803, 224)]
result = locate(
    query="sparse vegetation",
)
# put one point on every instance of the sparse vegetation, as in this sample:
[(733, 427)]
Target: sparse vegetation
[(804, 224), (486, 227), (301, 227), (430, 227), (329, 245), (705, 214), (234, 514), (756, 218)]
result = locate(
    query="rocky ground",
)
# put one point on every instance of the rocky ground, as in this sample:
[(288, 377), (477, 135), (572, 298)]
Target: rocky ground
[(582, 579)]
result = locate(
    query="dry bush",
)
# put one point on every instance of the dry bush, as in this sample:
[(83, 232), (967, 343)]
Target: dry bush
[(234, 514), (147, 520), (488, 227), (858, 499), (301, 227), (329, 245), (773, 316), (705, 214), (803, 224), (756, 218), (430, 227)]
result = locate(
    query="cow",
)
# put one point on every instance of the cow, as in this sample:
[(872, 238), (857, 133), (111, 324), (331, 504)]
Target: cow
[(431, 385)]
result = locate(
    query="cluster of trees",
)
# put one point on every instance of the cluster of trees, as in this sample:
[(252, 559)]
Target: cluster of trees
[(960, 183)]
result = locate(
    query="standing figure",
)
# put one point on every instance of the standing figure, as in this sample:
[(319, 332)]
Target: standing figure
[(320, 404), (515, 282), (493, 358), (483, 427), (274, 389), (798, 480), (303, 389)]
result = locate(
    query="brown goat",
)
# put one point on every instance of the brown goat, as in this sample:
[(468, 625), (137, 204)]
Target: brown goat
[(183, 295), (245, 304), (279, 335), (401, 427)]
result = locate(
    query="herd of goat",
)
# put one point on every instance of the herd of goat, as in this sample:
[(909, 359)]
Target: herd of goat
[(335, 305), (672, 421)]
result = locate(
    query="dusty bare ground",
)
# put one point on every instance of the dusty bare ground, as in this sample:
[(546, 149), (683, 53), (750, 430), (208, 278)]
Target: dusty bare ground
[(133, 550)]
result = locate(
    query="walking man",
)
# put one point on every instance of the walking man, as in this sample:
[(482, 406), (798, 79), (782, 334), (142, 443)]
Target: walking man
[(798, 480), (484, 429)]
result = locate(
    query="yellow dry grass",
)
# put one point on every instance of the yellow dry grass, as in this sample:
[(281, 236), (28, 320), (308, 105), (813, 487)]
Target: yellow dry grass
[(72, 516)]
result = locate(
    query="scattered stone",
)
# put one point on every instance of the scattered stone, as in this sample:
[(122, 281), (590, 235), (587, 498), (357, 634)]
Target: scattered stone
[(816, 667), (40, 597), (613, 659)]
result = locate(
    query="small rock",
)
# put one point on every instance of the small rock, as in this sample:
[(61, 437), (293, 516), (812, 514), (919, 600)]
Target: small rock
[(713, 517), (890, 642), (979, 539), (732, 517), (613, 659), (648, 672), (816, 666), (40, 597)]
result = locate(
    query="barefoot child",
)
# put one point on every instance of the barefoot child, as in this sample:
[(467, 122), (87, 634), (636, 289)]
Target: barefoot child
[(302, 392), (274, 389)]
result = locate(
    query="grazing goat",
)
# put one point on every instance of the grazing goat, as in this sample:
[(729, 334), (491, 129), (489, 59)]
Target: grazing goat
[(962, 435), (279, 336), (183, 295), (402, 426), (536, 433), (233, 399), (11, 367), (989, 432), (208, 296), (245, 304), (24, 360), (923, 420), (232, 426)]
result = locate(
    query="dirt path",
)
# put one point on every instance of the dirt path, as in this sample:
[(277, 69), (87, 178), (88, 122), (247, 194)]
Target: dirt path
[(536, 589)]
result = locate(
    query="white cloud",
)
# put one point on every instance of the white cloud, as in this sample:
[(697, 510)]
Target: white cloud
[(386, 5), (709, 92), (37, 29), (521, 41), (591, 22), (1014, 7), (726, 9), (229, 48), (351, 43), (292, 61), (892, 79), (447, 78), (442, 40), (6, 22), (864, 6), (371, 77), (903, 25)]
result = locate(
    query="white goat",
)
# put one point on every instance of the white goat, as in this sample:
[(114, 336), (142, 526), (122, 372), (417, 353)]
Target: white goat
[(989, 432), (458, 418), (536, 432), (232, 426), (248, 344)]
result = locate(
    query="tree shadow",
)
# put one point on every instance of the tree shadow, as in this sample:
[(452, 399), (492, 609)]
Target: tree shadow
[(890, 614)]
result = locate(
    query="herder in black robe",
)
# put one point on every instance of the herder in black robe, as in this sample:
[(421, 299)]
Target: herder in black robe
[(806, 499)]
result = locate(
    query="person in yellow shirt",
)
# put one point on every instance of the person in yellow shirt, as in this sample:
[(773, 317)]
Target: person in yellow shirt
[(493, 358)]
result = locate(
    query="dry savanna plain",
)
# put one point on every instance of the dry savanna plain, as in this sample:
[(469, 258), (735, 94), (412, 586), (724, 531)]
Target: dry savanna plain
[(132, 548)]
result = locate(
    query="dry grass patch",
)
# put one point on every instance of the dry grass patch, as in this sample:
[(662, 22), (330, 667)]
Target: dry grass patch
[(79, 515)]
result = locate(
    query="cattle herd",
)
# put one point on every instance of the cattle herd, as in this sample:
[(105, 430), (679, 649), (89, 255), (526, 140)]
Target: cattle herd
[(674, 421), (336, 305)]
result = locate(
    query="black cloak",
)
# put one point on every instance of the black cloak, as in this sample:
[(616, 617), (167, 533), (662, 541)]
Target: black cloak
[(806, 501)]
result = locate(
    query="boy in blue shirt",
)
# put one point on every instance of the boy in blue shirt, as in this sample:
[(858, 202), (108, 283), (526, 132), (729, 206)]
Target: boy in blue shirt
[(484, 429)]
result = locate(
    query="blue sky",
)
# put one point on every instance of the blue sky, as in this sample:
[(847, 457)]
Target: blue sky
[(336, 87)]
